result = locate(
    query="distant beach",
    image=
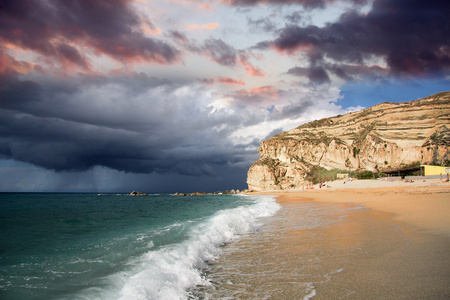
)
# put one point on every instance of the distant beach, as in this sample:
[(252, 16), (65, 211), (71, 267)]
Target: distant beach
[(364, 239)]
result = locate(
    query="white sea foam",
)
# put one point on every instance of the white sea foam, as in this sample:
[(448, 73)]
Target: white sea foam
[(311, 294), (167, 273)]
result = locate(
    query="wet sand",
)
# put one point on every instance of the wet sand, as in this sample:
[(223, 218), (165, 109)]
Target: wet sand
[(369, 240)]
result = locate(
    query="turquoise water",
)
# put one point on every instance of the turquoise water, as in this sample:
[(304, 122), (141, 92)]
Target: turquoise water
[(88, 246)]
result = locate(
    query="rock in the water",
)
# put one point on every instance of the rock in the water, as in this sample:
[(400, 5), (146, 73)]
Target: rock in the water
[(134, 193)]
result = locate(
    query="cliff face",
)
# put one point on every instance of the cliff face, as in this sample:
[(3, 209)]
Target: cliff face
[(387, 135)]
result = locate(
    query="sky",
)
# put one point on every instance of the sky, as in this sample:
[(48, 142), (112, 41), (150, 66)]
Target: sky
[(177, 95)]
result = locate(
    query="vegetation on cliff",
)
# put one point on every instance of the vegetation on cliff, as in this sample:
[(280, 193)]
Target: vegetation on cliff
[(319, 174)]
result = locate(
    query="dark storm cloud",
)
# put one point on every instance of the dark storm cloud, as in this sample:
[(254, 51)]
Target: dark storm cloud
[(315, 74), (305, 3), (411, 36), (136, 124), (53, 28), (320, 74), (352, 72), (68, 54)]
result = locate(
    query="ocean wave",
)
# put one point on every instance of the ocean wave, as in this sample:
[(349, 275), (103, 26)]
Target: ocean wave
[(168, 272)]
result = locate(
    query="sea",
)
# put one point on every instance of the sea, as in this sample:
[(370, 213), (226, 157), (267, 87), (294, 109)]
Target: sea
[(117, 246)]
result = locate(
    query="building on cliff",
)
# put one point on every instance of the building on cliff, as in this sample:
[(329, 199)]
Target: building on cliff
[(385, 136)]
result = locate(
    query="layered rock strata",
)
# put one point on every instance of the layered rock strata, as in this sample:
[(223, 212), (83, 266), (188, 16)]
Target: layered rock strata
[(387, 135)]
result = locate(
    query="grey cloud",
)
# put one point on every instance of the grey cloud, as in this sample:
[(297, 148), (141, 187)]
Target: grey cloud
[(178, 36), (293, 110), (137, 124), (315, 74), (220, 52), (28, 178), (261, 25), (305, 3), (412, 37), (294, 17), (273, 133), (278, 109), (107, 27)]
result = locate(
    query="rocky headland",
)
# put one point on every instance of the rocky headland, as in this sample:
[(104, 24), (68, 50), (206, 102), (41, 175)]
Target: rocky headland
[(385, 136)]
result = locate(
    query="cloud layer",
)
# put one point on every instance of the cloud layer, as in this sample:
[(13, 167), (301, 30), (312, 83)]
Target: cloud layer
[(411, 37), (133, 124), (304, 3), (123, 88), (59, 30)]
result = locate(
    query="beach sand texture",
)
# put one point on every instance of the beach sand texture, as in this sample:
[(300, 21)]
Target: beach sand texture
[(359, 240)]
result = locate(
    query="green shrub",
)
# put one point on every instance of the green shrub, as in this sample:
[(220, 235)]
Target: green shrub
[(356, 151), (319, 174), (378, 175), (366, 175)]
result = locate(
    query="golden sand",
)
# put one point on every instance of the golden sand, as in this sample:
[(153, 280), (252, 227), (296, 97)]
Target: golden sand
[(385, 240), (425, 207)]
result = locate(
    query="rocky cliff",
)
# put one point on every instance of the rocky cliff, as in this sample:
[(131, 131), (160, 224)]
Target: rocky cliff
[(387, 135)]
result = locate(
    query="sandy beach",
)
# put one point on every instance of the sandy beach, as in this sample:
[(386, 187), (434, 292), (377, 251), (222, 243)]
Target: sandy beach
[(358, 240), (424, 204)]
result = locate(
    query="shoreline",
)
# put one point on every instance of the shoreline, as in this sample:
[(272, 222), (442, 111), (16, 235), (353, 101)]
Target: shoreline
[(424, 204), (367, 240)]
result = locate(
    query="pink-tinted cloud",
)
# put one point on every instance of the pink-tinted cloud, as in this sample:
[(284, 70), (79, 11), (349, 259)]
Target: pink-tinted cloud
[(229, 81), (251, 70), (152, 30), (210, 26), (263, 91), (266, 91), (9, 64), (58, 30), (206, 6)]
